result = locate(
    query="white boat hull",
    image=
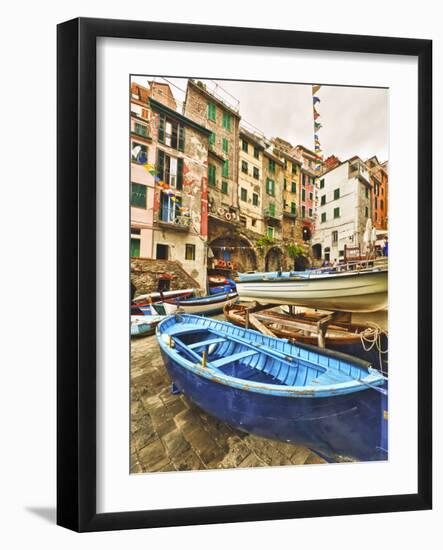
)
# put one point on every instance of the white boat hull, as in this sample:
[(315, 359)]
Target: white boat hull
[(198, 309), (348, 291)]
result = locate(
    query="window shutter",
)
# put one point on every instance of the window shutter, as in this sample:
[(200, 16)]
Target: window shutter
[(161, 128), (211, 112), (174, 136), (211, 175), (161, 164), (179, 174), (135, 248), (181, 137)]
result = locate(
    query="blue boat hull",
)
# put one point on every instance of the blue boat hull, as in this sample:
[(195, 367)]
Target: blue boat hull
[(340, 428)]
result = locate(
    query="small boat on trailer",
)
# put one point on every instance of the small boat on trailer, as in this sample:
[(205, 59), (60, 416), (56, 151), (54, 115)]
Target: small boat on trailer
[(160, 296), (144, 325), (347, 288), (205, 305), (329, 402), (362, 340)]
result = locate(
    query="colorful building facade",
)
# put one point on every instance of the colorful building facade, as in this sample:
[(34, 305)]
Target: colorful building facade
[(142, 182), (379, 180)]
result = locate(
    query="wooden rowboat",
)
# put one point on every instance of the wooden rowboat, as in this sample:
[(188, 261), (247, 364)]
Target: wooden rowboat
[(205, 305), (351, 338), (329, 402), (144, 325), (354, 290)]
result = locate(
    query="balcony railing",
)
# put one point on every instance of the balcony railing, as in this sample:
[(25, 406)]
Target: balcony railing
[(146, 135), (272, 215), (170, 219), (290, 213)]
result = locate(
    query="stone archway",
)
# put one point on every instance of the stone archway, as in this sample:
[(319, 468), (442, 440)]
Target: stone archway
[(316, 251), (274, 259), (237, 254), (301, 263)]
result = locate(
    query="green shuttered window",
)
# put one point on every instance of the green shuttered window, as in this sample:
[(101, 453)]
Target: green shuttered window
[(138, 195), (135, 248), (226, 121), (211, 175), (212, 111), (225, 172)]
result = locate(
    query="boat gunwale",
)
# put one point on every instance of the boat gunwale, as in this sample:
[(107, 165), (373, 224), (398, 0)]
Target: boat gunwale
[(203, 300), (235, 315), (371, 381), (313, 277)]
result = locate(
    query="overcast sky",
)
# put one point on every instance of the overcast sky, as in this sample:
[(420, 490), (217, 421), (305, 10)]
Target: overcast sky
[(354, 120)]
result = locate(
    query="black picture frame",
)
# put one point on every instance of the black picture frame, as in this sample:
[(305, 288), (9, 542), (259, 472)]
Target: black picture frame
[(76, 264)]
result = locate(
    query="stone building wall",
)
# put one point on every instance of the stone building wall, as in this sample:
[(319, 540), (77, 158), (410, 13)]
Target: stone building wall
[(196, 108), (250, 183), (276, 199), (146, 273), (188, 222)]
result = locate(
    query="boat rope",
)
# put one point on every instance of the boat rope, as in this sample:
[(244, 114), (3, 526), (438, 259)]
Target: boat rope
[(371, 338)]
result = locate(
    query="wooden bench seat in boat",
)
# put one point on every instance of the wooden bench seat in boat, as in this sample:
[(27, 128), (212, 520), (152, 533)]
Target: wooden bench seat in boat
[(203, 343), (190, 328), (232, 358)]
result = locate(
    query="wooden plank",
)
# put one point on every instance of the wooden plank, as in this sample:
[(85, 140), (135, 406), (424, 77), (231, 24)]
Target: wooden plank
[(258, 325)]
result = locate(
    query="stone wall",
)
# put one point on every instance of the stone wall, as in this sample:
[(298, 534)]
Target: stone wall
[(146, 273), (196, 108)]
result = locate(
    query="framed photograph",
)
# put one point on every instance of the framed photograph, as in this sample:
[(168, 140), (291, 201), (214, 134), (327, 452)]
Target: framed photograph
[(244, 274)]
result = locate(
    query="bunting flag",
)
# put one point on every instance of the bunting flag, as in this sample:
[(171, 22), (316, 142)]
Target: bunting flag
[(317, 144)]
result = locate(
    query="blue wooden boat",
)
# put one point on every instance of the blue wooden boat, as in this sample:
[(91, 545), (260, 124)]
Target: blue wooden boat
[(330, 402), (148, 310)]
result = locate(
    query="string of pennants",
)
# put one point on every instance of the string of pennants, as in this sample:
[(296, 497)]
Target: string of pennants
[(317, 145), (165, 187)]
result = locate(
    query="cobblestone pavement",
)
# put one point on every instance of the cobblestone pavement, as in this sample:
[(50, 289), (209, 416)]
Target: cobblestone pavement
[(169, 433)]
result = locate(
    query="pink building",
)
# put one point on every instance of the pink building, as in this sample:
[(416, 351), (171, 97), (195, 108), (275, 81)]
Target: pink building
[(142, 182)]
